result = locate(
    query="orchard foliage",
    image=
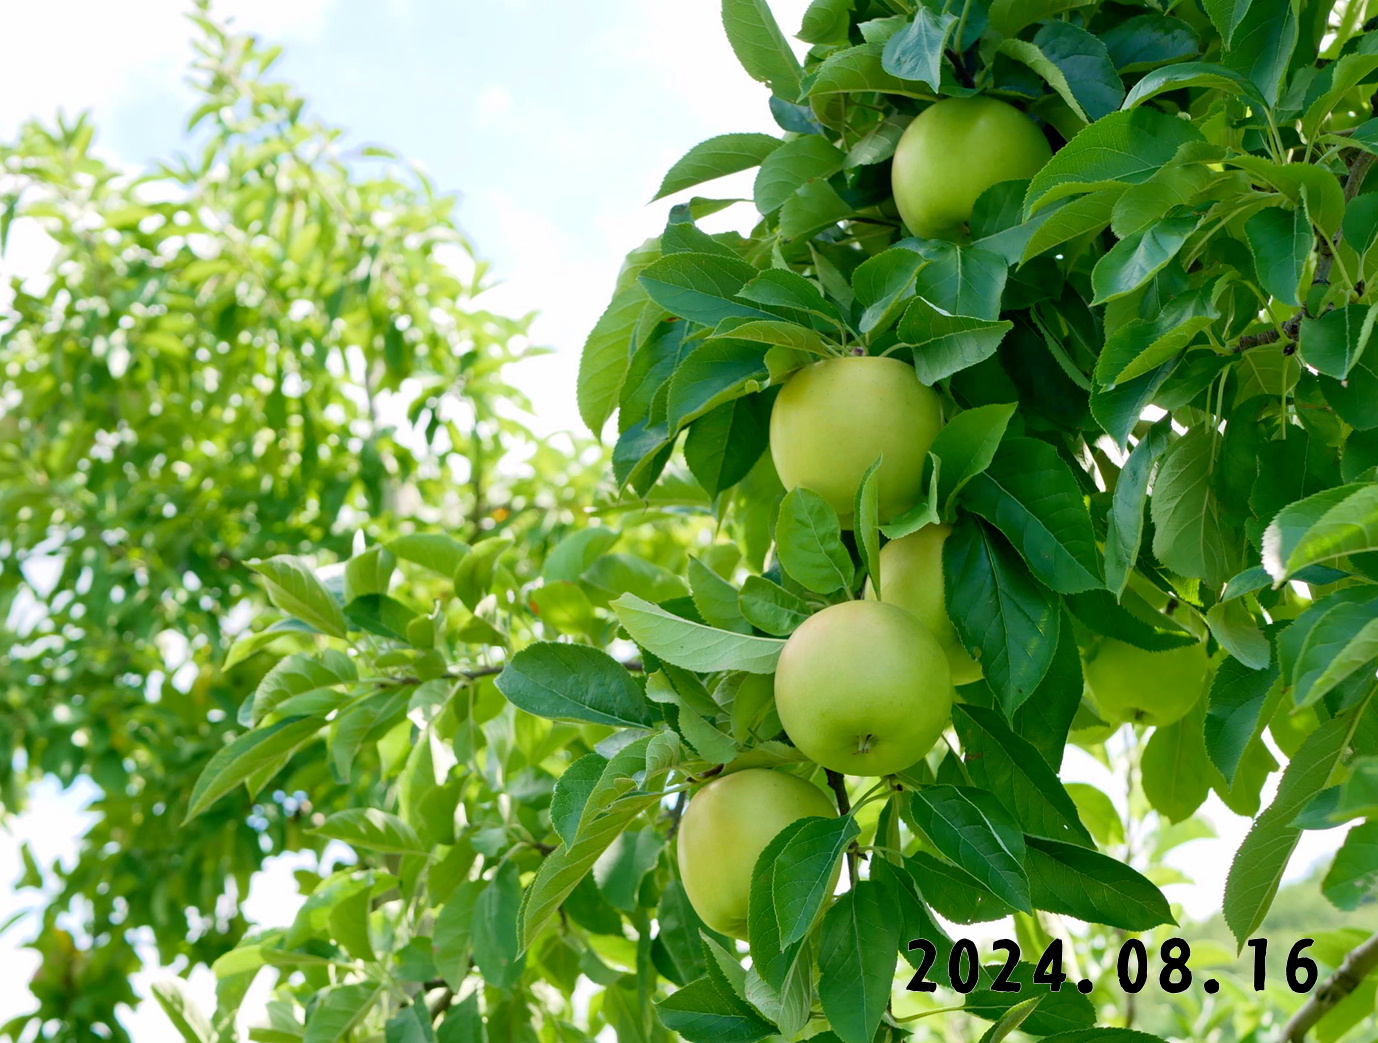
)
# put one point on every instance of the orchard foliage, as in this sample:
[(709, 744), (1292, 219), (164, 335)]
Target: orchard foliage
[(1160, 419), (245, 352)]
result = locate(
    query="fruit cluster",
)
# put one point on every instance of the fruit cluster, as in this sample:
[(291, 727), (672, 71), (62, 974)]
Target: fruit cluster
[(865, 687)]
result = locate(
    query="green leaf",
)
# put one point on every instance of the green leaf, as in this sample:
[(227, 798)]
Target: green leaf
[(374, 829), (182, 1011), (793, 165), (970, 829), (339, 1011), (1007, 17), (572, 791), (381, 615), (706, 1012), (409, 1025), (1030, 493), (1189, 74), (693, 645), (808, 541), (1258, 865), (1134, 260), (883, 285), (1076, 881), (574, 682), (1261, 47), (1281, 242), (1321, 528), (1085, 67), (1334, 342), (294, 588), (432, 550), (946, 344), (770, 607), (725, 443), (717, 371), (715, 158), (866, 526), (999, 609), (962, 280), (1343, 639), (1142, 345), (760, 46), (1148, 40), (1012, 769), (859, 69), (1176, 772), (805, 873), (368, 573), (1058, 1011), (916, 51), (1125, 521), (1191, 535), (966, 444), (1353, 876), (1069, 218), (608, 348), (814, 207), (302, 685), (954, 893), (701, 287), (561, 872), (1235, 712), (250, 753), (1126, 147), (497, 948), (858, 946)]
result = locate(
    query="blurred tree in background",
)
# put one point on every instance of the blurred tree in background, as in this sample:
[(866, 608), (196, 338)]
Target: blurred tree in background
[(264, 346)]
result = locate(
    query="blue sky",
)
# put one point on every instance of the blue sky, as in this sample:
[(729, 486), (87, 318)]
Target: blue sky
[(554, 119)]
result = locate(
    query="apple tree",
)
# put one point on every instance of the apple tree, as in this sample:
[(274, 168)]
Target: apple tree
[(253, 350), (1034, 408)]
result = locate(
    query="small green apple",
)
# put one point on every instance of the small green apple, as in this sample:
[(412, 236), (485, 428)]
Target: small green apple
[(863, 688), (952, 152), (726, 826), (834, 418), (911, 572), (1125, 683)]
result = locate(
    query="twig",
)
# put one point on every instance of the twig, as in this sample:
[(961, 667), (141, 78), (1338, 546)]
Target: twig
[(677, 813), (1353, 970), (636, 666), (844, 806)]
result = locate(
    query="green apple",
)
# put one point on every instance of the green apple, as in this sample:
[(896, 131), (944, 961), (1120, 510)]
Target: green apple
[(952, 152), (911, 573), (726, 826), (1125, 683), (834, 418), (862, 688)]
